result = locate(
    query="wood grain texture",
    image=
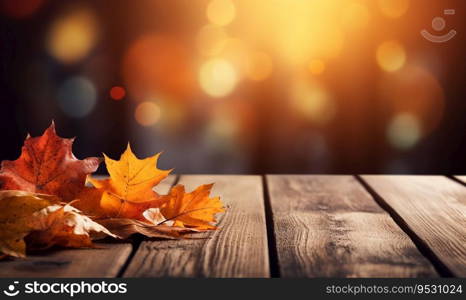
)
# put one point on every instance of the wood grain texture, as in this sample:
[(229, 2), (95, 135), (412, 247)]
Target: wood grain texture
[(329, 226), (237, 249), (104, 262), (433, 208)]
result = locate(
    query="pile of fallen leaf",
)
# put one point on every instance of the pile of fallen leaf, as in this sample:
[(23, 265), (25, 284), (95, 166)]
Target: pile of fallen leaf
[(44, 200)]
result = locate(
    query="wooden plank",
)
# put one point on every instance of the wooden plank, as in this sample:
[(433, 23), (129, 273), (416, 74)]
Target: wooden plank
[(104, 262), (237, 249), (433, 209), (329, 226)]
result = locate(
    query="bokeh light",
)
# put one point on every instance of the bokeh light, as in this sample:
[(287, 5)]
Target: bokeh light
[(20, 8), (218, 77), (147, 113), (158, 64), (311, 100), (316, 66), (338, 84), (391, 56), (117, 93), (211, 40), (260, 66), (221, 12), (416, 91), (393, 8), (72, 35), (404, 131), (77, 97), (297, 31)]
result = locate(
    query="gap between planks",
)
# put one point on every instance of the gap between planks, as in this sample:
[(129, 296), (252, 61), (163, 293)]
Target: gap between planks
[(460, 179), (237, 249), (329, 226), (431, 209)]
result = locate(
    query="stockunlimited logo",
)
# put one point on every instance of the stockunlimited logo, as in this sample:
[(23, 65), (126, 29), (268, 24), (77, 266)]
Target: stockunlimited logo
[(11, 291)]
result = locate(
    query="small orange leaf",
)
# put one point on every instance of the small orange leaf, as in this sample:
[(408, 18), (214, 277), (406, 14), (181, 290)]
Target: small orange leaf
[(129, 190), (195, 209), (47, 165)]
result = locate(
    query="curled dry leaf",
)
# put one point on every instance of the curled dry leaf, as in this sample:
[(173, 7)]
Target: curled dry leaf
[(47, 165), (155, 217), (124, 228), (129, 190), (16, 211), (195, 209), (65, 226)]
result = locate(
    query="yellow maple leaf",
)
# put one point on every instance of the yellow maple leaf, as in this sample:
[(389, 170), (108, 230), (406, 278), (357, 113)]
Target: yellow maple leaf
[(195, 209), (129, 190)]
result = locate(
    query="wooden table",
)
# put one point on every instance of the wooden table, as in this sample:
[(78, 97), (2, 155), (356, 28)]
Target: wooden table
[(294, 226)]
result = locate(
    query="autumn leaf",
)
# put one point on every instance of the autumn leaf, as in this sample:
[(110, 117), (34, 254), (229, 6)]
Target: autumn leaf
[(129, 190), (64, 226), (16, 211), (88, 201), (47, 165), (195, 209)]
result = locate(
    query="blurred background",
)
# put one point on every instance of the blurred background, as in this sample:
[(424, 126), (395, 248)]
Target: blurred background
[(240, 86)]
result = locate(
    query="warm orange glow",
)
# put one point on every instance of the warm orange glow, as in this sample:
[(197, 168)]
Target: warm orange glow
[(218, 77), (221, 12), (117, 93), (155, 65), (72, 36), (296, 30), (237, 52), (174, 116), (316, 66), (312, 101), (211, 40), (259, 66), (355, 16), (147, 113), (393, 8), (20, 8), (391, 56)]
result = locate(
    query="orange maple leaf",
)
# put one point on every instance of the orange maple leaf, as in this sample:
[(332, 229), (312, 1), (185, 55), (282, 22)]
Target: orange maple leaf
[(195, 209), (129, 190), (47, 165)]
